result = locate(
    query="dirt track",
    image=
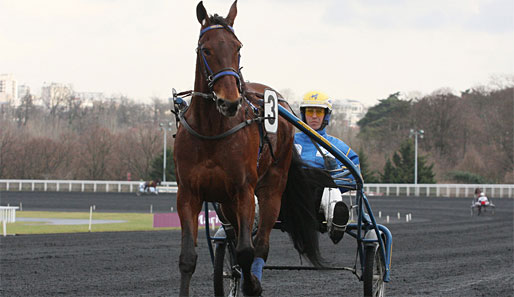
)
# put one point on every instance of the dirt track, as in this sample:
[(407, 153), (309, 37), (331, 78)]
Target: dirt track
[(443, 251)]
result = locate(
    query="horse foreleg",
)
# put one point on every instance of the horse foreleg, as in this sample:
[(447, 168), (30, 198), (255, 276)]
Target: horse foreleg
[(269, 191), (188, 213), (244, 248), (269, 208)]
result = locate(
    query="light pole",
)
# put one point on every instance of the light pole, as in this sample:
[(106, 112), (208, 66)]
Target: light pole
[(416, 133), (164, 127)]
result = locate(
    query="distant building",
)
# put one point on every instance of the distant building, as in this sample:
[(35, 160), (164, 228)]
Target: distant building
[(352, 110), (55, 94), (88, 98), (8, 89), (23, 90)]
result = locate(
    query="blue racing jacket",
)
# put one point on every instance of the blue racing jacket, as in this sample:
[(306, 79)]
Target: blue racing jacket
[(313, 157)]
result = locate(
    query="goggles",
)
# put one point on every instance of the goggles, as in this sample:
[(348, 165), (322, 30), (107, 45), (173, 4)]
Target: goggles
[(310, 111)]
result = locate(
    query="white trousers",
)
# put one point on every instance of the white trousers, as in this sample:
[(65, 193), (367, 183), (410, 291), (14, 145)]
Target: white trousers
[(328, 201), (149, 189)]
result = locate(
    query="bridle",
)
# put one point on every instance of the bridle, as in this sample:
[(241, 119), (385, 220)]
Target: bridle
[(212, 76), (180, 106)]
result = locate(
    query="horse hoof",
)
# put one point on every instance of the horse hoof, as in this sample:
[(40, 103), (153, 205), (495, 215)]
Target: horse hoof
[(252, 289)]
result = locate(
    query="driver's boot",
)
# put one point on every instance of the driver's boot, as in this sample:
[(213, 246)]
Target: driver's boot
[(340, 218)]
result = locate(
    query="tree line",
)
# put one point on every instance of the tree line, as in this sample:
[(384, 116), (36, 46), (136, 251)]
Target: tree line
[(468, 138), (112, 139)]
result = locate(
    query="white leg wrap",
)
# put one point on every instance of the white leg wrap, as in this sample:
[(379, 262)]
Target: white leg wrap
[(330, 197)]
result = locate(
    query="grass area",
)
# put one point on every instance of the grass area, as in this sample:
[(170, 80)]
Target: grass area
[(133, 222)]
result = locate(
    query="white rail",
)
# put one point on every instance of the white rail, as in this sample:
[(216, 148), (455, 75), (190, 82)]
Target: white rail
[(7, 215), (431, 190), (77, 185), (440, 190)]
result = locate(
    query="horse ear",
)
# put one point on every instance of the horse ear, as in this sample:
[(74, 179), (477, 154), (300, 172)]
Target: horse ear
[(201, 14), (232, 14)]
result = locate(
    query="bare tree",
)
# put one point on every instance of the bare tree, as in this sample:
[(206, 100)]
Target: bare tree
[(95, 154), (139, 147), (7, 148), (24, 111)]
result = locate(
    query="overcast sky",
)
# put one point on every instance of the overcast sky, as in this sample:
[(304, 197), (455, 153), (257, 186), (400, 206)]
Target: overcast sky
[(351, 49)]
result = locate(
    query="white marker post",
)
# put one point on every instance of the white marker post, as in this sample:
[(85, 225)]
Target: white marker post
[(398, 215), (90, 217), (379, 214), (151, 208), (387, 219)]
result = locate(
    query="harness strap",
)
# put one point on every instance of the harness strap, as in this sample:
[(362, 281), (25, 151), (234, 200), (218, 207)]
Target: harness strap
[(219, 136), (192, 93), (261, 143)]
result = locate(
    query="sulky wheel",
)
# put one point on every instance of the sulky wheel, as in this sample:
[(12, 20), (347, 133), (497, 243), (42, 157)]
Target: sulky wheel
[(227, 274), (374, 269)]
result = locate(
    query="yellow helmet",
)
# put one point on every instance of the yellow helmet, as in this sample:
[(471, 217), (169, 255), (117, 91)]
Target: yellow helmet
[(317, 99)]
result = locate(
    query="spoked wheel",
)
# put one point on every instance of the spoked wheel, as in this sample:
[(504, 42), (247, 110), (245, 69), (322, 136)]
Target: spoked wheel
[(227, 274), (374, 270)]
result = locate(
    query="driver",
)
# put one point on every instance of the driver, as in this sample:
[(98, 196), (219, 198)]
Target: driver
[(482, 199), (150, 186), (315, 109)]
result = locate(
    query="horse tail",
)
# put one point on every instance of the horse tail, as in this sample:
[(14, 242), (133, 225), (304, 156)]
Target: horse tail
[(300, 206)]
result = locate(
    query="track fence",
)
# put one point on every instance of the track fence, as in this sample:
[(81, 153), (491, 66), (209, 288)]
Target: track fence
[(428, 190)]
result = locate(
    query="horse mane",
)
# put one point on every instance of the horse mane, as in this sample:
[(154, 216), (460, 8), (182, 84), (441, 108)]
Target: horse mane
[(218, 20)]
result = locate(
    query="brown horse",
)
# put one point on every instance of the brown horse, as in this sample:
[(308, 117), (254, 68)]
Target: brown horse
[(222, 154)]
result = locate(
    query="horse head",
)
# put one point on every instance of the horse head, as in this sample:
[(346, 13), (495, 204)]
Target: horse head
[(218, 57)]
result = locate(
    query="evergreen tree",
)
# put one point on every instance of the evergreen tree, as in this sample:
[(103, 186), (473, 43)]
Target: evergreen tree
[(401, 169), (156, 171), (388, 176), (368, 175), (383, 118)]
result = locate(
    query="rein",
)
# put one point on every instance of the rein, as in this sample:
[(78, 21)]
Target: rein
[(180, 107)]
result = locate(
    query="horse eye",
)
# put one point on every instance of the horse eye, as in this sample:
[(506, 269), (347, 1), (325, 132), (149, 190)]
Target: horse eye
[(206, 52)]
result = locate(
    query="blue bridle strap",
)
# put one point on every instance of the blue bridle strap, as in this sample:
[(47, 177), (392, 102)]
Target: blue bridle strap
[(223, 73), (209, 70), (212, 77), (215, 27)]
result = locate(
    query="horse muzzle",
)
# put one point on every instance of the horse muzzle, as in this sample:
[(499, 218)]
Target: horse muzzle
[(228, 108)]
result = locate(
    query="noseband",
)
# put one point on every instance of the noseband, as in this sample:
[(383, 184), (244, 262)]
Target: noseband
[(212, 76)]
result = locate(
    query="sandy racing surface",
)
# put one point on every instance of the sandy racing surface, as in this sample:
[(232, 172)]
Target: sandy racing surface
[(443, 251)]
